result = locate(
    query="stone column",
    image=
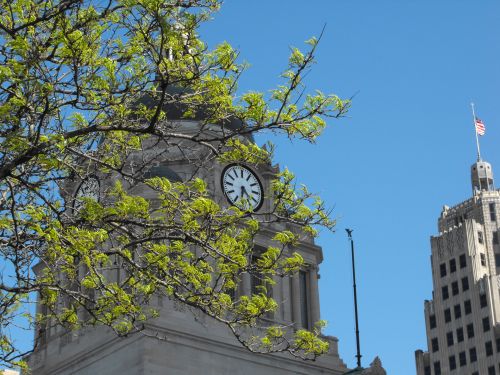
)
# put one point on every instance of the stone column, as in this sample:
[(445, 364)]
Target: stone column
[(314, 294), (278, 297), (246, 284), (296, 301), (287, 299)]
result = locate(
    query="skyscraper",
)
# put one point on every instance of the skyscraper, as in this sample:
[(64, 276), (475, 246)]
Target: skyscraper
[(462, 319)]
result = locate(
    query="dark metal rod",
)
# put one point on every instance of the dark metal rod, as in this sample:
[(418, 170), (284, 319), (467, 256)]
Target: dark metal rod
[(358, 350)]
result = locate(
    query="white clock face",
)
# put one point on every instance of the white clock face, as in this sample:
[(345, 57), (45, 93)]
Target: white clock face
[(242, 187), (89, 188)]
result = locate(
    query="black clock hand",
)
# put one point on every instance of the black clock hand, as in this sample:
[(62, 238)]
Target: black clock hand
[(243, 191)]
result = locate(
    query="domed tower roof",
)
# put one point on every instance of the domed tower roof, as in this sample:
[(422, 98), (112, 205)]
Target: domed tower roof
[(482, 176), (175, 110)]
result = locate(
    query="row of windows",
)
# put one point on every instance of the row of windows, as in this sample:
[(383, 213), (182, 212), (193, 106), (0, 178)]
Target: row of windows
[(454, 288), (483, 302), (460, 335), (467, 309), (462, 360), (480, 237), (453, 265), (453, 365)]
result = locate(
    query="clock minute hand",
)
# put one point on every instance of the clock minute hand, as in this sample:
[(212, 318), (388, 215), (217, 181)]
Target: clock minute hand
[(243, 191)]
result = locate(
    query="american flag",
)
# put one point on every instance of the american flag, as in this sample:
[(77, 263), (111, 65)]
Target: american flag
[(480, 128)]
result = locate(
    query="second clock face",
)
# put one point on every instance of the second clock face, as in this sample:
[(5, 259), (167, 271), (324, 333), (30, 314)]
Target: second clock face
[(89, 188), (242, 187)]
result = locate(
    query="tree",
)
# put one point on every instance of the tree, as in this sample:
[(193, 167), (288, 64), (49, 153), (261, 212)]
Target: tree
[(83, 87)]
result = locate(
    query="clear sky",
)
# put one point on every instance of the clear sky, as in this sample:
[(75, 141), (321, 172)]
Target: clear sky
[(404, 150)]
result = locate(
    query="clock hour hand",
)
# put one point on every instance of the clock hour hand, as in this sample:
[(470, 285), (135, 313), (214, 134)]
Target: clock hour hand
[(243, 191)]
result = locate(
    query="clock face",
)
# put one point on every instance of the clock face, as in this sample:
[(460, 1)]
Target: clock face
[(242, 187), (89, 188)]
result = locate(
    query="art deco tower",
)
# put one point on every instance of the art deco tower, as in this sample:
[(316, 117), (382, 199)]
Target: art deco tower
[(463, 317)]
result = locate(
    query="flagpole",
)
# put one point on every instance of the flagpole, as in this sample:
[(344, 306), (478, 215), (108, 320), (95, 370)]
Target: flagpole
[(475, 131), (358, 350)]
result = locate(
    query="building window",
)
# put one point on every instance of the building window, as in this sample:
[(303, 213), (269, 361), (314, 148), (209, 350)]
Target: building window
[(497, 260), (495, 238), (472, 355), (486, 324), (461, 359), (453, 265), (462, 261), (447, 315), (493, 215), (432, 321), (458, 311), (257, 284), (488, 345), (470, 331), (444, 292), (442, 269), (449, 338), (453, 363), (475, 373), (256, 280), (304, 314), (498, 344), (232, 292), (454, 288), (480, 238), (482, 300), (491, 370), (465, 284), (427, 370), (467, 307), (460, 334), (434, 345), (483, 260), (437, 368)]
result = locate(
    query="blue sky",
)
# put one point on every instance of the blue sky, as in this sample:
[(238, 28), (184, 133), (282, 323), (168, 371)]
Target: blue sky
[(403, 151)]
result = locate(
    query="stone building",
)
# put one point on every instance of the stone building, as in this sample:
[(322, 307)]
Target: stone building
[(192, 342), (462, 319)]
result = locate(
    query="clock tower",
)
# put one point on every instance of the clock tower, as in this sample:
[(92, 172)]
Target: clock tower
[(184, 340)]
